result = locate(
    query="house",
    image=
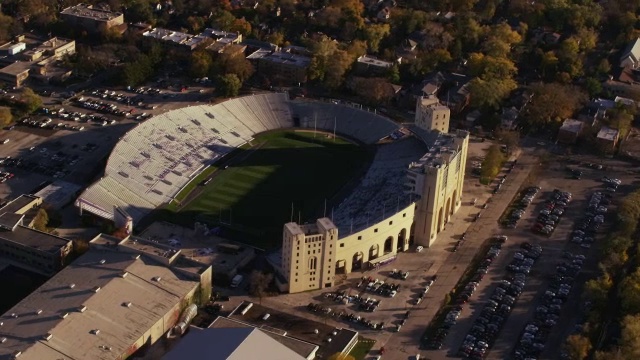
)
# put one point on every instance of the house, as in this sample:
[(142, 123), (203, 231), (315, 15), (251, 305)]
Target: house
[(509, 118), (607, 138), (631, 56), (456, 95), (383, 14), (407, 50), (570, 130), (472, 118)]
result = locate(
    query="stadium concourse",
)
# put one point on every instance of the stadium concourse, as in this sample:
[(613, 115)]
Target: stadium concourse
[(154, 161)]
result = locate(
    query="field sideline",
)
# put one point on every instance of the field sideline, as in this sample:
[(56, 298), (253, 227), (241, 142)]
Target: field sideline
[(255, 194)]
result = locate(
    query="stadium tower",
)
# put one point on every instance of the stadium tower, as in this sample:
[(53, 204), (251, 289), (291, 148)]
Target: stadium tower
[(438, 177)]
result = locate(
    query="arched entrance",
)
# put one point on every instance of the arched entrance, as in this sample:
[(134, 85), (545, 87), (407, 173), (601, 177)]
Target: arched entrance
[(402, 240), (388, 245), (356, 262), (447, 210), (374, 251), (439, 220), (456, 201)]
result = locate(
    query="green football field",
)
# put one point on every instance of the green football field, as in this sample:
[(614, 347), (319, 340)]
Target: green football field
[(255, 194)]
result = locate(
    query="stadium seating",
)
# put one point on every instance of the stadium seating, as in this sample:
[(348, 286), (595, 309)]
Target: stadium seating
[(380, 192), (156, 159)]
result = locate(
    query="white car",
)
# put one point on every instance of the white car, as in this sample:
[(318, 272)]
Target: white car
[(393, 293), (419, 249)]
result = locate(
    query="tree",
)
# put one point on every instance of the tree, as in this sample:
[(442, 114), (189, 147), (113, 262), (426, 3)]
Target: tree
[(30, 100), (577, 346), (593, 87), (5, 116), (374, 34), (492, 164), (229, 85), (200, 63), (242, 26), (139, 11), (597, 290), (509, 138), (630, 337), (259, 283), (375, 91), (630, 293), (223, 20), (337, 67), (41, 220), (276, 37), (490, 93), (227, 63), (553, 102)]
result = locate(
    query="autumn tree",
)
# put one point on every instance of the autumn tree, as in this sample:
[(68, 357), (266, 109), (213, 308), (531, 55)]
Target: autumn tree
[(374, 34), (630, 337), (375, 91), (228, 63), (41, 220), (229, 85), (241, 26), (200, 63), (5, 116), (30, 100), (222, 19), (577, 346), (597, 290), (492, 164), (553, 102)]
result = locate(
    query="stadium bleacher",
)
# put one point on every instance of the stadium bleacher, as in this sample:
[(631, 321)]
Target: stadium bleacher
[(380, 192), (156, 159)]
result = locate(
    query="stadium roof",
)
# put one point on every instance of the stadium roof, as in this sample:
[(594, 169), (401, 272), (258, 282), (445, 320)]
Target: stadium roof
[(91, 309), (237, 343)]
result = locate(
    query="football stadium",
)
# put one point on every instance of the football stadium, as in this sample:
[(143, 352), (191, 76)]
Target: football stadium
[(353, 186)]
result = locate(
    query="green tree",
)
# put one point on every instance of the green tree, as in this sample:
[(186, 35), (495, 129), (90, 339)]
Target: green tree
[(41, 220), (374, 34), (630, 294), (578, 347), (200, 63), (227, 63), (223, 20), (30, 100), (5, 116), (593, 87), (597, 290), (229, 85), (394, 74)]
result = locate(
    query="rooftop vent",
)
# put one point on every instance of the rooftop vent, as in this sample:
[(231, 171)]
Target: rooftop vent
[(156, 278), (39, 311), (126, 304), (95, 331), (82, 308), (48, 336), (137, 257), (3, 340), (103, 261), (96, 289), (17, 354), (64, 315), (72, 285), (124, 274)]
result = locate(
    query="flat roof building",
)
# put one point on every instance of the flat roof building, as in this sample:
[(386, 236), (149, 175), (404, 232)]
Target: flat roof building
[(607, 138), (570, 131), (92, 19), (283, 66), (28, 248), (107, 304), (372, 66)]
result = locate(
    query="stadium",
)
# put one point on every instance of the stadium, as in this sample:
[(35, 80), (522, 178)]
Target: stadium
[(403, 190)]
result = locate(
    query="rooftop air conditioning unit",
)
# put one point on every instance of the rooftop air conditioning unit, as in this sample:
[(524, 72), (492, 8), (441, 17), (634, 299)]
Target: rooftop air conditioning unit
[(48, 336), (72, 285), (82, 308), (124, 274), (3, 340), (157, 278), (39, 311), (126, 304), (103, 261), (64, 315)]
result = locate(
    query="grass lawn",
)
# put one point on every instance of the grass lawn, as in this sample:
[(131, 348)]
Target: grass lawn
[(255, 193), (362, 348)]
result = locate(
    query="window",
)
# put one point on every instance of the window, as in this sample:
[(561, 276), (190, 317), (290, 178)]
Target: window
[(359, 237), (404, 215), (390, 222), (342, 245), (375, 230)]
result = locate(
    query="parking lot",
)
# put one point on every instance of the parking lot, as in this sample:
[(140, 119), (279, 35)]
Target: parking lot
[(561, 262)]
